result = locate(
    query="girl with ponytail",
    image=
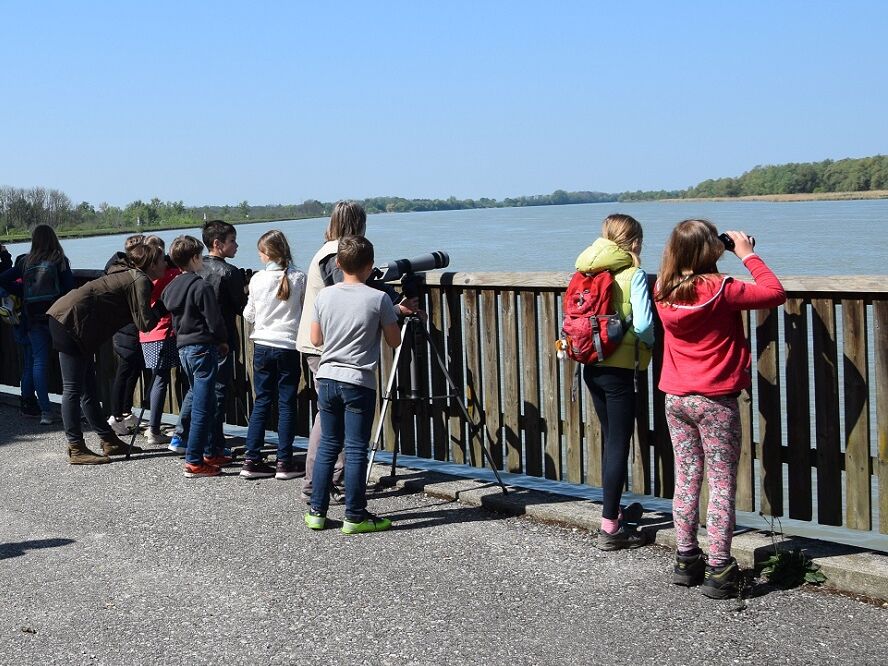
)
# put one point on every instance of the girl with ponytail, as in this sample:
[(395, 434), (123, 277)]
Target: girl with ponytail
[(274, 308)]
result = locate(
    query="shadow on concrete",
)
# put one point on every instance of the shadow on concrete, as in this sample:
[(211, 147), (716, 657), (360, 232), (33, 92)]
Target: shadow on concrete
[(8, 550)]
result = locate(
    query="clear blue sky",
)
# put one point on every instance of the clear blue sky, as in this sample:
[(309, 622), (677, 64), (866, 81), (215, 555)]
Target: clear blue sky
[(275, 102)]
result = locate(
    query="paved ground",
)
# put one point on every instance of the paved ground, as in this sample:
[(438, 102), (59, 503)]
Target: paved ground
[(132, 563)]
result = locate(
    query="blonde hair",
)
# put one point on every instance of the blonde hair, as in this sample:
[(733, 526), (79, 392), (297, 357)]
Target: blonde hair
[(348, 219), (625, 232), (274, 245), (690, 255), (156, 241)]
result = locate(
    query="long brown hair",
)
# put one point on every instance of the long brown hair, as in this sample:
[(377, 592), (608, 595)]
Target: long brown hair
[(274, 245), (143, 255), (45, 246), (690, 256), (348, 219), (625, 232)]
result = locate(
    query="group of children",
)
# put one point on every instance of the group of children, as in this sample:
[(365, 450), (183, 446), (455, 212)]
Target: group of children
[(189, 303)]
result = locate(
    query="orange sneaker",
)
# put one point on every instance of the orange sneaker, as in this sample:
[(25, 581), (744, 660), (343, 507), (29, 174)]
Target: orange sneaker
[(201, 469), (219, 461)]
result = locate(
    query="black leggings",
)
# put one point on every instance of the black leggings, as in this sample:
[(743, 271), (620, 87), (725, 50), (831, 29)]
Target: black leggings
[(128, 370), (613, 395)]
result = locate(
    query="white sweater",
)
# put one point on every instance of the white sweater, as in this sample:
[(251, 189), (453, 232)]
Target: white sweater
[(275, 322)]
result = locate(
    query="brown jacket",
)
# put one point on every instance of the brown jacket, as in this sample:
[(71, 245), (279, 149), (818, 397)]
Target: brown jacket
[(91, 314)]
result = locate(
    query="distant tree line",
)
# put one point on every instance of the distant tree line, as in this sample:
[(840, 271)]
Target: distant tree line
[(21, 209)]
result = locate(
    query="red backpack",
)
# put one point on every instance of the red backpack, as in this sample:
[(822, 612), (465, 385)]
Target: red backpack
[(592, 329)]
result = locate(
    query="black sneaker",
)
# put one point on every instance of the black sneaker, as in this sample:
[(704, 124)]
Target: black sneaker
[(288, 469), (30, 408), (633, 513), (722, 582), (689, 569), (622, 538), (256, 469)]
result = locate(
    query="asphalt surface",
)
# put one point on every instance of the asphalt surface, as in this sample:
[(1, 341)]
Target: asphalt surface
[(132, 563)]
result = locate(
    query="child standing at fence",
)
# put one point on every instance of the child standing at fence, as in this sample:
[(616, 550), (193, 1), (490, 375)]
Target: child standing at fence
[(201, 339), (612, 382), (43, 275), (706, 363), (159, 350), (348, 320), (274, 307)]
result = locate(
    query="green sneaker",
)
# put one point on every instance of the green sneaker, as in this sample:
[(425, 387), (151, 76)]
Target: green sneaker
[(370, 523), (315, 520)]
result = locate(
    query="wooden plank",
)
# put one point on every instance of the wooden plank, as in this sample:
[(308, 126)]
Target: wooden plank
[(490, 355), (816, 286), (857, 457), (474, 385), (404, 409), (593, 439), (798, 409), (530, 368), (769, 412), (640, 458), (423, 360), (826, 412), (746, 464), (439, 387), (880, 344), (664, 466), (453, 332), (386, 365), (511, 389), (572, 426), (550, 388)]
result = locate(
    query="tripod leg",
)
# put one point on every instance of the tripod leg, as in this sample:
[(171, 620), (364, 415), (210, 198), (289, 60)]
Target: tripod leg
[(386, 401), (476, 427), (129, 449)]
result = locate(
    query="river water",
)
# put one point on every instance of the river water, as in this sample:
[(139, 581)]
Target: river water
[(798, 238)]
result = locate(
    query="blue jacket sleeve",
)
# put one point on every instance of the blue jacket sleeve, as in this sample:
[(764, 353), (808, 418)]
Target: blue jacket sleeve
[(640, 299), (8, 280)]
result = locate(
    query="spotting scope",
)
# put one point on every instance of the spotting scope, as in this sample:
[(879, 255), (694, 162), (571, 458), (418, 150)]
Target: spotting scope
[(400, 267)]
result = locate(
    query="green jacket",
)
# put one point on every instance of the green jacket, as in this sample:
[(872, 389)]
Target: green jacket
[(604, 255)]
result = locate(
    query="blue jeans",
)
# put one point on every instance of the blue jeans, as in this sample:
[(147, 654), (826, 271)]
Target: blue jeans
[(275, 370), (199, 364), (38, 335), (20, 333), (346, 412)]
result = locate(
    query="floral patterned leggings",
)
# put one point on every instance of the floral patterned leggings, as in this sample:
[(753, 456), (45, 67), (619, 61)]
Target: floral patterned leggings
[(704, 428)]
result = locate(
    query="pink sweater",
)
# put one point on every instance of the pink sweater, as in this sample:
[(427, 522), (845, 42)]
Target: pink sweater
[(704, 347)]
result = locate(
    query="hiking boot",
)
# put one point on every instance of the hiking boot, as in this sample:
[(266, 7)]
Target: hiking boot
[(48, 418), (218, 460), (315, 520), (370, 523), (29, 408), (118, 426), (176, 445), (201, 469), (79, 454), (632, 513), (288, 469), (722, 582), (256, 469), (622, 538), (114, 446), (689, 569), (157, 438)]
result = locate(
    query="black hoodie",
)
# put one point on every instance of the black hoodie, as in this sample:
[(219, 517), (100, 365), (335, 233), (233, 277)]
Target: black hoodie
[(196, 316)]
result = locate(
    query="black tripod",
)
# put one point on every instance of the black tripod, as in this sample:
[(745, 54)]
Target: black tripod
[(414, 329)]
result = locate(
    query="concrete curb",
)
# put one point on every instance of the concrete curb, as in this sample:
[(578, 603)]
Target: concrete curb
[(847, 568)]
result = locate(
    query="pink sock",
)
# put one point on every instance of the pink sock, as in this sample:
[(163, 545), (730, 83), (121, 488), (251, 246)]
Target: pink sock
[(610, 525)]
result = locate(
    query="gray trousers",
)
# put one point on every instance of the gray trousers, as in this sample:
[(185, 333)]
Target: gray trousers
[(314, 438)]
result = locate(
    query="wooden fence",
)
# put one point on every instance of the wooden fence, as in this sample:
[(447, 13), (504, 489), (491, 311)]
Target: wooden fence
[(815, 423)]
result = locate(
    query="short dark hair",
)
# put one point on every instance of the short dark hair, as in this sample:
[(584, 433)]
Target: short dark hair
[(183, 249), (354, 254), (217, 230)]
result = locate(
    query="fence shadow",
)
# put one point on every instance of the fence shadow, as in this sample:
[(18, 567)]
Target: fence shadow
[(8, 550)]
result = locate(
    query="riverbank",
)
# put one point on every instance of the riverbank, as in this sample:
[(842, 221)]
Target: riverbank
[(788, 198)]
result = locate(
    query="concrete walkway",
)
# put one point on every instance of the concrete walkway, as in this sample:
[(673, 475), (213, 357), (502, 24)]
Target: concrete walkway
[(132, 563)]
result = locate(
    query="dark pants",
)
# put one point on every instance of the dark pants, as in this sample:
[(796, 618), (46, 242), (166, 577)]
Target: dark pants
[(613, 395), (275, 371), (224, 376), (128, 370), (314, 439), (158, 397), (79, 387), (199, 365), (347, 412)]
